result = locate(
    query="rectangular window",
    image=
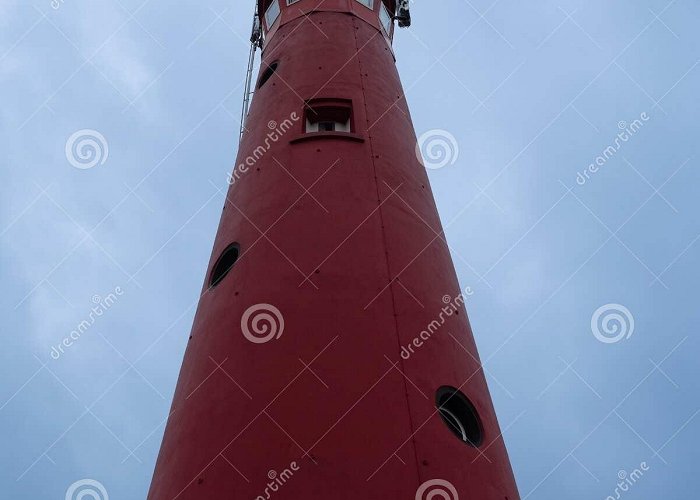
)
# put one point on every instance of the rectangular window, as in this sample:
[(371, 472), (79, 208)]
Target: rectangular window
[(386, 19), (327, 126), (273, 12), (328, 115), (367, 3)]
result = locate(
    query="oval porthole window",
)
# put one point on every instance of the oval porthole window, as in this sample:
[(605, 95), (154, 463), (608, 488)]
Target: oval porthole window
[(267, 74), (224, 264), (459, 415)]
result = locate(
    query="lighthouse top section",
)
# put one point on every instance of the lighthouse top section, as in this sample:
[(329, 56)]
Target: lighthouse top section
[(380, 13)]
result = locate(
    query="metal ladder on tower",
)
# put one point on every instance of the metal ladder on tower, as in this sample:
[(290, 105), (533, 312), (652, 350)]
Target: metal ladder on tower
[(256, 40)]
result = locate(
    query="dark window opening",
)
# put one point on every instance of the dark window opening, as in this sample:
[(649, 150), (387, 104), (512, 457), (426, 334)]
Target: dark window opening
[(224, 264), (328, 115), (267, 74), (459, 415), (390, 5)]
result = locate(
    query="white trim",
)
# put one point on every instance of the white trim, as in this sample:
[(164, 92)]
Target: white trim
[(386, 19), (270, 13)]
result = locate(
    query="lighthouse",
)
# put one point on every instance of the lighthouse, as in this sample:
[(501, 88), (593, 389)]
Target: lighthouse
[(331, 356)]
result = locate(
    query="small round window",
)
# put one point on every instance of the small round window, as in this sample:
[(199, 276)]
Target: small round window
[(224, 264), (459, 415)]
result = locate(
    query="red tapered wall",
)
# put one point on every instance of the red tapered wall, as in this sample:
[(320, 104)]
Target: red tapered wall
[(360, 422)]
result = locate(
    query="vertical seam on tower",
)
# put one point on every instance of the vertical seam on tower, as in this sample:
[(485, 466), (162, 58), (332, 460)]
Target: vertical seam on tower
[(386, 251)]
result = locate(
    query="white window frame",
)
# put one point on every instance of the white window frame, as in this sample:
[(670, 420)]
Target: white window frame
[(367, 3), (270, 12), (386, 19)]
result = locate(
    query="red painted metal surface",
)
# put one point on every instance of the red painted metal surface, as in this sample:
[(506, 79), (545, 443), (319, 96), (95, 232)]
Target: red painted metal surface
[(341, 234)]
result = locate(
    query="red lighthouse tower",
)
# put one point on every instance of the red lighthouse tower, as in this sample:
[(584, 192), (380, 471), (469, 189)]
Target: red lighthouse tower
[(331, 356)]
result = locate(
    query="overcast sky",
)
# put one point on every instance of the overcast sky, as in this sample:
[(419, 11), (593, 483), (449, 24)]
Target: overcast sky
[(534, 93)]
